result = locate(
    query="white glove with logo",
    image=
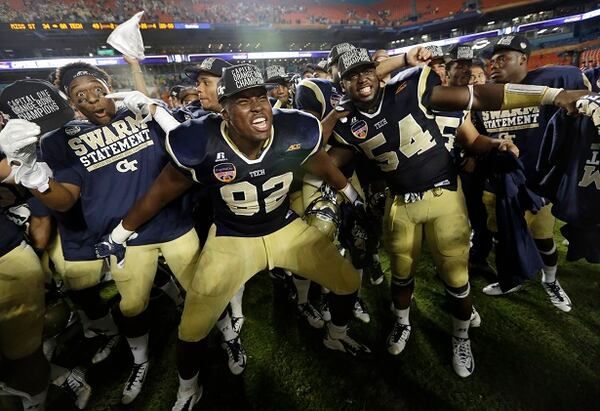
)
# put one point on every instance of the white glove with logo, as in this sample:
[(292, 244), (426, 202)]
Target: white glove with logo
[(17, 140), (590, 106), (135, 101)]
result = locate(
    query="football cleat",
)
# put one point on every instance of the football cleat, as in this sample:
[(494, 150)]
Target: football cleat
[(475, 318), (397, 339), (186, 402), (557, 295), (311, 314), (108, 344), (494, 289), (462, 357), (324, 308), (375, 272), (360, 311), (75, 386), (236, 355), (135, 382), (236, 324), (346, 344)]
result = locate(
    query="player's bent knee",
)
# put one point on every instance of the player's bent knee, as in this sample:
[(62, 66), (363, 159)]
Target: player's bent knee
[(131, 307)]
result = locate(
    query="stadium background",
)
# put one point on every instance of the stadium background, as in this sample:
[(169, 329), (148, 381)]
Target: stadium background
[(529, 355)]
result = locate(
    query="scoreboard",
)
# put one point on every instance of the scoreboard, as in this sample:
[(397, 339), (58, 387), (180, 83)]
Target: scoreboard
[(75, 26)]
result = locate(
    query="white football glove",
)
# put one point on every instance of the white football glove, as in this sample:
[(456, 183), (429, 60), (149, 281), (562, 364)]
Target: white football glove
[(18, 141), (590, 106), (135, 101), (36, 177)]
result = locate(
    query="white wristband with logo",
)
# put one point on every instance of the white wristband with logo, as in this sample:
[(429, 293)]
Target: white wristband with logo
[(120, 234)]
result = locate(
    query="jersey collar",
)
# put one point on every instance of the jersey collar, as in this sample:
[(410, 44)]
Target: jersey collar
[(266, 146)]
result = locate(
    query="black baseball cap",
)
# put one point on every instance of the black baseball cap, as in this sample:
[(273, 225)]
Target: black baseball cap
[(37, 101), (512, 42), (321, 66), (336, 51), (276, 74), (459, 52), (210, 65), (174, 91), (239, 78), (186, 91), (354, 58)]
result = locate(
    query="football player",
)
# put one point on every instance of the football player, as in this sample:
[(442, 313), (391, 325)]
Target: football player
[(395, 128), (104, 164), (174, 102), (187, 96), (280, 81), (321, 70), (247, 157), (25, 369), (525, 128), (478, 76)]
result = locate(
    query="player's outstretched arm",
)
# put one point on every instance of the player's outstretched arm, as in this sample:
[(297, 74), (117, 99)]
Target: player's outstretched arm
[(469, 138), (502, 97), (169, 185)]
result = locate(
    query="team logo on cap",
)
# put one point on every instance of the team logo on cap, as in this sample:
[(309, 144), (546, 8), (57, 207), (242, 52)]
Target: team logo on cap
[(224, 172), (360, 129), (523, 45), (505, 41), (221, 90)]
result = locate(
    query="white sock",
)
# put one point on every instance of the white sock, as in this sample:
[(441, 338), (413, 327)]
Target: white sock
[(105, 324), (139, 348), (186, 386), (236, 303), (35, 402), (224, 325), (402, 315), (460, 328), (172, 291), (549, 274), (335, 331), (302, 287)]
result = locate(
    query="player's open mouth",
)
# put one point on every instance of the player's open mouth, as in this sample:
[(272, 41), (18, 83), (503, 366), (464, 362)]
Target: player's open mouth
[(365, 91), (100, 113), (260, 124)]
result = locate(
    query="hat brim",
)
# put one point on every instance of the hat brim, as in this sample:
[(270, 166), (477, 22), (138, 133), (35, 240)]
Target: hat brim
[(359, 64), (501, 47), (57, 120), (193, 72), (224, 96)]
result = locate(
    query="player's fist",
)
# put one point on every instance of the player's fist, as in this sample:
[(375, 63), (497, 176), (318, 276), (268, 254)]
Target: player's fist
[(18, 139), (114, 244), (568, 98), (137, 102), (590, 106), (507, 145), (418, 55)]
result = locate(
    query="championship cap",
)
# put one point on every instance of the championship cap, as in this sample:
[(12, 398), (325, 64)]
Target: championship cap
[(276, 74), (354, 58), (210, 65), (436, 51), (512, 42), (336, 51), (174, 91), (459, 52), (37, 101), (321, 66), (186, 91), (239, 78)]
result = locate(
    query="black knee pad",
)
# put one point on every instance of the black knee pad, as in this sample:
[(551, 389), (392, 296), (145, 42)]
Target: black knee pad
[(459, 292)]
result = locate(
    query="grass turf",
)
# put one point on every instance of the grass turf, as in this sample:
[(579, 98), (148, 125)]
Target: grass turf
[(528, 354)]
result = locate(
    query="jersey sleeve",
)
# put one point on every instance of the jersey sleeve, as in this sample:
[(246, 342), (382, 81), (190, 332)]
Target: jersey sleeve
[(64, 166), (310, 97), (310, 137), (427, 80), (186, 147)]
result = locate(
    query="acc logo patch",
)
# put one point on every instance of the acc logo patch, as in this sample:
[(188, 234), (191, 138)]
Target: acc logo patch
[(294, 147), (360, 129), (72, 130), (224, 172)]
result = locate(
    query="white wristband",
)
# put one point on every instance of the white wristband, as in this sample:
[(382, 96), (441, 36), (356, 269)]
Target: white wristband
[(165, 120), (119, 234), (470, 105), (350, 193), (550, 95)]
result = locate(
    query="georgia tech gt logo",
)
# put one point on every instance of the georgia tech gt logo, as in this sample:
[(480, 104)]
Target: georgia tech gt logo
[(124, 166)]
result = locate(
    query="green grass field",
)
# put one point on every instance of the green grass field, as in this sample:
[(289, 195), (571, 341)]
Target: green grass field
[(528, 355)]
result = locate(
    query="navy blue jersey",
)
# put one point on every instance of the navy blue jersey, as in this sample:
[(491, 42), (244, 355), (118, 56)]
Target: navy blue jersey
[(448, 122), (526, 126), (402, 136), (319, 96), (192, 110), (11, 235), (569, 161), (114, 165), (249, 197), (593, 76)]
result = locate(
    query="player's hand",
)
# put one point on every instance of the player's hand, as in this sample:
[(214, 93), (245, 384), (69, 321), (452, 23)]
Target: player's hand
[(18, 141), (115, 244), (507, 145), (418, 56), (590, 106), (343, 108), (567, 99), (137, 102)]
